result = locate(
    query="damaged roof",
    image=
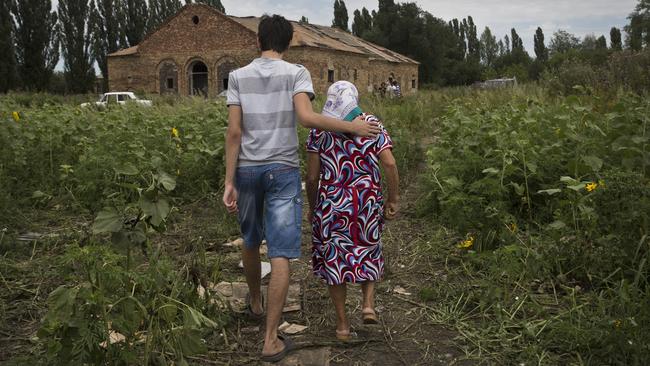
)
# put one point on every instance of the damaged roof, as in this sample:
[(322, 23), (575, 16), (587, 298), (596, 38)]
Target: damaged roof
[(126, 51), (318, 36)]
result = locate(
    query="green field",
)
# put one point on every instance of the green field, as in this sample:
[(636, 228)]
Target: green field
[(531, 211)]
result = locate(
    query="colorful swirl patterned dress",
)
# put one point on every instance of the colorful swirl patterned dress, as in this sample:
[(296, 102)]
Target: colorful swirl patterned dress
[(348, 219)]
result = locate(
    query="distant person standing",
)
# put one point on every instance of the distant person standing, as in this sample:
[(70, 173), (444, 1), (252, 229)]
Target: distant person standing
[(397, 89), (262, 181)]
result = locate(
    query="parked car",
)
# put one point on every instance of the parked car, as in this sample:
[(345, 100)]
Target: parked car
[(118, 98)]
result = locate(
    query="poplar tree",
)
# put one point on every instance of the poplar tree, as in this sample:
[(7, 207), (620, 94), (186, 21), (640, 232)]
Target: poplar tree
[(473, 44), (517, 43), (540, 48), (341, 17), (367, 18), (135, 16), (36, 31), (108, 35), (76, 42), (7, 51), (160, 10), (357, 24), (615, 39), (489, 47), (362, 22), (638, 31), (214, 3)]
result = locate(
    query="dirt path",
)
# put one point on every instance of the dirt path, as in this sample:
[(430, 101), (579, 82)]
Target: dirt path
[(409, 332)]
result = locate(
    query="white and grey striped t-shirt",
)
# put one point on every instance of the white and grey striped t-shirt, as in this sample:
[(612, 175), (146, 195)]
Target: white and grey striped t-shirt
[(265, 89)]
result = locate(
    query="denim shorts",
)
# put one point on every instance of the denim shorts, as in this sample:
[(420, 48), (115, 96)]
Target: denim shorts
[(270, 207)]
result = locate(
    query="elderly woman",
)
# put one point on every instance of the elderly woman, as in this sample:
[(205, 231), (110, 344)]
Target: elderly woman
[(347, 213)]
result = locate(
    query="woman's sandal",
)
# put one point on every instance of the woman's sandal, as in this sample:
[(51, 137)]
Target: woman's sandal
[(288, 347), (250, 314), (369, 316), (345, 335)]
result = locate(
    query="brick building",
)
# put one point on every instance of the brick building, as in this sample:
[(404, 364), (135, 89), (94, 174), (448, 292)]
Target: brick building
[(193, 52)]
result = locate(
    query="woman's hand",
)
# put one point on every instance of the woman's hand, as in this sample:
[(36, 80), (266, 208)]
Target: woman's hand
[(391, 210)]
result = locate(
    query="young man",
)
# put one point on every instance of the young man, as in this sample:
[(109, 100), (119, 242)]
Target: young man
[(262, 179)]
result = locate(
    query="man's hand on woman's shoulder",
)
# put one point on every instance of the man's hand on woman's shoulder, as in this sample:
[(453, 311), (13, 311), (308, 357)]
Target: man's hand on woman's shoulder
[(363, 128)]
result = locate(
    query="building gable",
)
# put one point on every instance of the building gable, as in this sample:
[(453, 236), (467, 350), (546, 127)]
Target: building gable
[(198, 27)]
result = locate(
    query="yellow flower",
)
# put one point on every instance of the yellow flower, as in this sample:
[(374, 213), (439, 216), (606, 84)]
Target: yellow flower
[(513, 227), (467, 243), (175, 132), (16, 116), (591, 186), (617, 323)]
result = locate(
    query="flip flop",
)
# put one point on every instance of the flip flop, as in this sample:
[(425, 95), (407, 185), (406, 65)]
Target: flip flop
[(249, 310), (369, 316), (288, 347)]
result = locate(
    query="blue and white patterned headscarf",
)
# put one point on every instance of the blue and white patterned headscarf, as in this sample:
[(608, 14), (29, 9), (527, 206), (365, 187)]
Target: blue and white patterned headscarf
[(342, 101)]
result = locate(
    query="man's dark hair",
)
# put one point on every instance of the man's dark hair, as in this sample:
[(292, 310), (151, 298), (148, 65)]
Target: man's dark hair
[(275, 33)]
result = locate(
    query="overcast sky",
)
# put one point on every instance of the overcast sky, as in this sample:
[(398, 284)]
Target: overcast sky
[(580, 17)]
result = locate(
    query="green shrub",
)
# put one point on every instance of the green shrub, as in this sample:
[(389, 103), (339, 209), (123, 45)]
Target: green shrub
[(550, 203)]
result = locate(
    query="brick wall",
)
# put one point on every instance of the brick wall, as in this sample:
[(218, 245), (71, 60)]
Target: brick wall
[(358, 69)]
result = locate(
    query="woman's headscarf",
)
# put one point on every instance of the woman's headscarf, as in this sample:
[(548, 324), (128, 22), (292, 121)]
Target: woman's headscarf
[(342, 101)]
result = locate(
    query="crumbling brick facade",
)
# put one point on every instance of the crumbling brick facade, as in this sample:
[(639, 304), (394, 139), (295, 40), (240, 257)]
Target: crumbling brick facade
[(193, 52)]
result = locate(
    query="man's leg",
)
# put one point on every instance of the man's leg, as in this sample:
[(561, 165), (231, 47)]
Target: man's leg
[(251, 208), (338, 294), (282, 219), (276, 296), (253, 271)]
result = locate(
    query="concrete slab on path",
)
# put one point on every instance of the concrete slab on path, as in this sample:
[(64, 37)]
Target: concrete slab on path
[(235, 293), (306, 357)]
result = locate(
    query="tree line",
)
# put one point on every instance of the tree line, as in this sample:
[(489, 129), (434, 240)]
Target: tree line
[(33, 37), (453, 53)]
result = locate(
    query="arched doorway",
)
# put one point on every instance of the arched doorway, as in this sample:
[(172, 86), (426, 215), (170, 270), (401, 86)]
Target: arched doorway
[(198, 79), (168, 76), (224, 68)]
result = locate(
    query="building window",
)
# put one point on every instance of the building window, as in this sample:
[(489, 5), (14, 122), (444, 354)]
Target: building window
[(195, 19), (330, 76), (170, 83), (356, 74), (413, 84)]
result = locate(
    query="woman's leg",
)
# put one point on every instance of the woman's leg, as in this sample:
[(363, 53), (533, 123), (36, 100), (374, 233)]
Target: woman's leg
[(338, 294), (368, 289), (368, 307)]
